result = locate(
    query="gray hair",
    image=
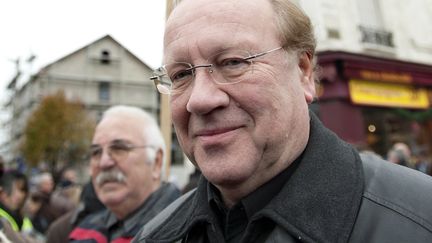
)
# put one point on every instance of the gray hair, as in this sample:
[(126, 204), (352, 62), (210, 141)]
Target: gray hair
[(151, 130), (42, 177), (295, 28), (295, 31)]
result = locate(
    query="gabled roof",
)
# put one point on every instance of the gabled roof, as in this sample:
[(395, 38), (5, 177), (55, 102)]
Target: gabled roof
[(46, 67), (104, 37)]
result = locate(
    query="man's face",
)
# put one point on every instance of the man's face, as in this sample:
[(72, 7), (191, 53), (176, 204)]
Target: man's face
[(47, 184), (70, 175), (239, 134), (122, 183), (17, 197)]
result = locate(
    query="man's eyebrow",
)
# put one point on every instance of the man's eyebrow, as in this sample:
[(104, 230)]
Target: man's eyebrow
[(119, 141), (115, 141)]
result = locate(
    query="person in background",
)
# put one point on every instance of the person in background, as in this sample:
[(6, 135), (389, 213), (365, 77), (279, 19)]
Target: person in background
[(8, 235), (66, 195), (68, 175), (60, 229), (397, 156), (13, 195), (127, 155), (45, 212), (240, 76), (405, 150)]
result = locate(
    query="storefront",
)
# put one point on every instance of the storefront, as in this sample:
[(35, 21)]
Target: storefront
[(374, 102)]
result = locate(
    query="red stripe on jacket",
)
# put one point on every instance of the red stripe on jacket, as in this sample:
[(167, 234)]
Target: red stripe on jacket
[(86, 234), (122, 240)]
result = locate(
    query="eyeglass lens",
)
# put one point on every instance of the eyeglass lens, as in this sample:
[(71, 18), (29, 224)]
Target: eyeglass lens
[(226, 67), (117, 150)]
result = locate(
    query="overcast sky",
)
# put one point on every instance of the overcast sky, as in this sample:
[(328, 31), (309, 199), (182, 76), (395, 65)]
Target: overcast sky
[(51, 29)]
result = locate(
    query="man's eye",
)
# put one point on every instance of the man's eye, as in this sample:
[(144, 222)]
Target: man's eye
[(94, 152), (181, 76), (233, 63), (119, 147)]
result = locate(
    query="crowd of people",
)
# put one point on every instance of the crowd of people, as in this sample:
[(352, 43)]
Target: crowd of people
[(241, 76), (400, 153), (125, 189), (29, 205)]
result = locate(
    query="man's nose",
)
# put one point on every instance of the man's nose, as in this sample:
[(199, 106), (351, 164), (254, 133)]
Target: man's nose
[(205, 94), (106, 160)]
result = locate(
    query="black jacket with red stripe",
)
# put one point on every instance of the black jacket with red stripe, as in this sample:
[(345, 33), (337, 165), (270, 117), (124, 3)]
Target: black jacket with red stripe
[(104, 227)]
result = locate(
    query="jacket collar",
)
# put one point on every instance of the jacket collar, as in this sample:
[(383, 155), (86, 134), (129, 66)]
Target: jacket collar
[(154, 204), (318, 204), (321, 200)]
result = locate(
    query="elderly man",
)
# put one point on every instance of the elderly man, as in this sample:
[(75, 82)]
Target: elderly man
[(127, 154), (240, 75)]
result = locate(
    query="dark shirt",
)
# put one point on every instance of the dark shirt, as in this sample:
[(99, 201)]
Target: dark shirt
[(234, 221)]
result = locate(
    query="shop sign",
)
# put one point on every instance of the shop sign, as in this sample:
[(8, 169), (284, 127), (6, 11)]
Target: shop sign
[(387, 94), (386, 76)]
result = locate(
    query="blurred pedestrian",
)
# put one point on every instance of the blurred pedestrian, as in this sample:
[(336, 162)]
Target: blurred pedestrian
[(66, 194), (40, 200), (60, 229), (406, 152), (397, 156), (13, 195), (127, 155)]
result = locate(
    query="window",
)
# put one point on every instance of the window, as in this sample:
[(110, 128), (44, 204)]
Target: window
[(333, 33), (331, 18), (372, 28), (104, 91), (105, 57)]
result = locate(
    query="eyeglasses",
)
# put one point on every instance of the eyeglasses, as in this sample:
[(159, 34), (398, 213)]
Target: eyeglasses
[(230, 65), (118, 150)]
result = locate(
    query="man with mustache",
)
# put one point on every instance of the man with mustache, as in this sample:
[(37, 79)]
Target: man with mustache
[(127, 154), (240, 76)]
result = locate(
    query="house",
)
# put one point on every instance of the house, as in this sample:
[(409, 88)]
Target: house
[(99, 75)]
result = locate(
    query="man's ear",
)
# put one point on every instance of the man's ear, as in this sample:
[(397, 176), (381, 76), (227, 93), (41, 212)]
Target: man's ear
[(306, 66), (157, 165)]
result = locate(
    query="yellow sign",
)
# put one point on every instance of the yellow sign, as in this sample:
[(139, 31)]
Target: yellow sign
[(387, 94), (386, 76)]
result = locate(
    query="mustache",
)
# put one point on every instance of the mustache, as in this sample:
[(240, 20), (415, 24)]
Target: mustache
[(112, 175)]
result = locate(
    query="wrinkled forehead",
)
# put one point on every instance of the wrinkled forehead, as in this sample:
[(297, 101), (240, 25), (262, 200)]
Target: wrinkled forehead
[(122, 127), (205, 26)]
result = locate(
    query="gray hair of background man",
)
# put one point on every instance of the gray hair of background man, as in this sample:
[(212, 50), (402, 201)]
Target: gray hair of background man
[(150, 132), (39, 179), (295, 30)]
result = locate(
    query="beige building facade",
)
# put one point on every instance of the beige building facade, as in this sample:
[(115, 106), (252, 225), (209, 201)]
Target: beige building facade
[(100, 74)]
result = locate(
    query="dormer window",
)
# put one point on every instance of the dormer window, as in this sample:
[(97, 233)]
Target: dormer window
[(105, 57)]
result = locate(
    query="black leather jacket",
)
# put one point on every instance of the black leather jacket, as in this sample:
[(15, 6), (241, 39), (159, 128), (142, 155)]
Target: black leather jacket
[(333, 196)]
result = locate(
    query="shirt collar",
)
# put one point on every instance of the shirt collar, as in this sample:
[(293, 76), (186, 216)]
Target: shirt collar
[(256, 200)]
